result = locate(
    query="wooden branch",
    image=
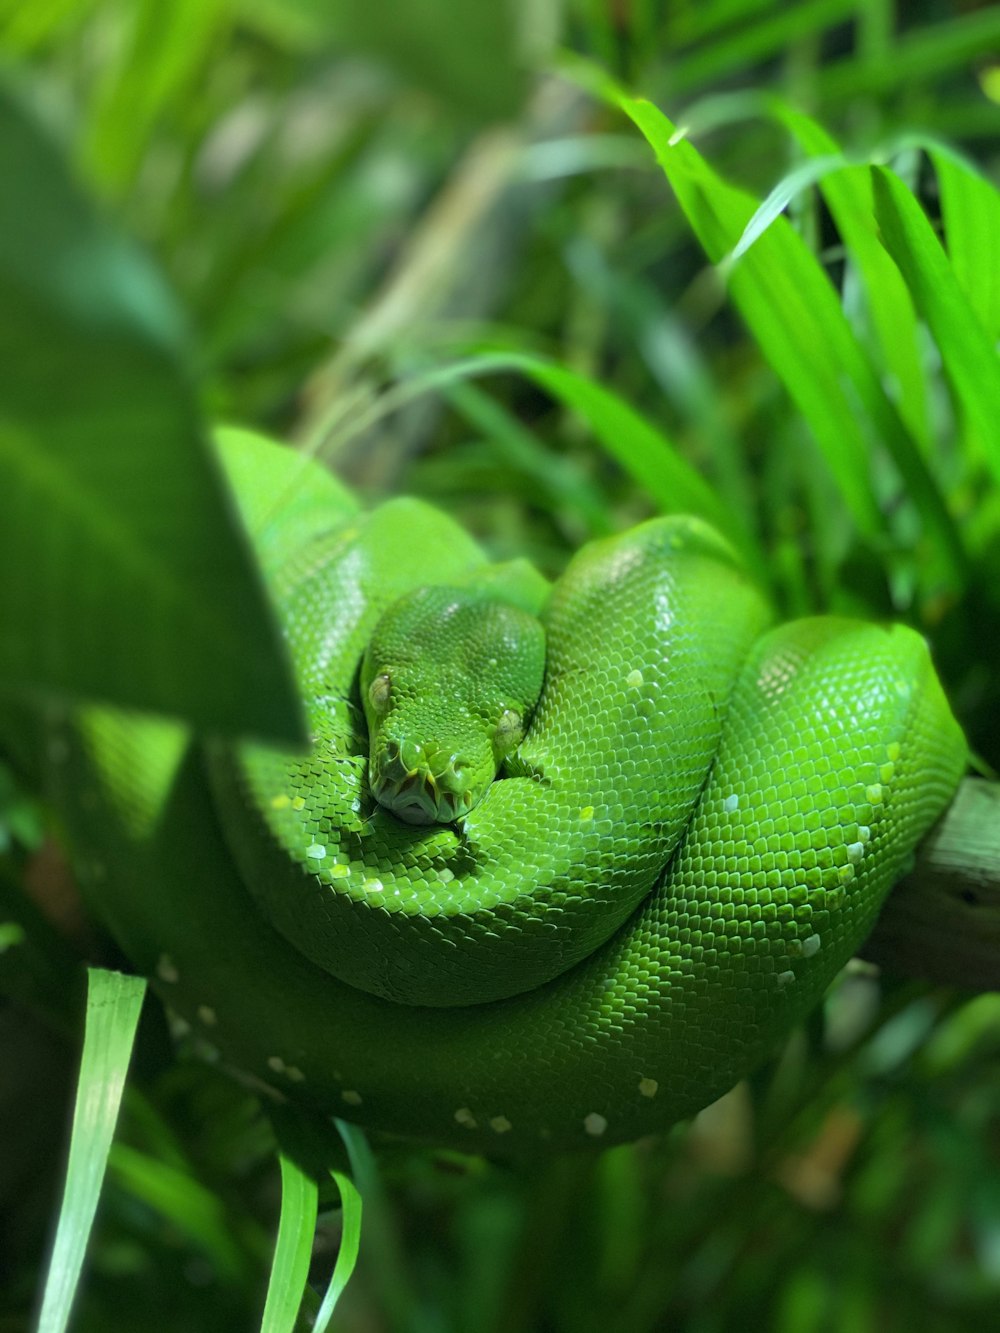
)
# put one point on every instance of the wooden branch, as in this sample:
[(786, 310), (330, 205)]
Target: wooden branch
[(942, 922)]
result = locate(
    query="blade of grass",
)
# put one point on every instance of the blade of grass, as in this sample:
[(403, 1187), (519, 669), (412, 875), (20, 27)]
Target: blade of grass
[(789, 304), (347, 1255), (778, 28), (191, 1208), (676, 361), (642, 450), (114, 1003), (554, 476), (970, 358), (293, 1248), (927, 53), (848, 194), (970, 207)]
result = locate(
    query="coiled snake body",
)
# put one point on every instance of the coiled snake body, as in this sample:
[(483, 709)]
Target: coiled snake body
[(686, 835)]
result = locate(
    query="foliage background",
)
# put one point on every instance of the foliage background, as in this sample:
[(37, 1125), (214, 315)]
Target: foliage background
[(367, 222)]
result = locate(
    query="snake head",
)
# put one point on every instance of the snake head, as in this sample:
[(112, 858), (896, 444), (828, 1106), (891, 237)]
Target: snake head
[(449, 681)]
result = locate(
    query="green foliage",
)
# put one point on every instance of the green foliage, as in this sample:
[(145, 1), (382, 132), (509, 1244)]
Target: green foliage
[(132, 581), (114, 1002), (446, 274)]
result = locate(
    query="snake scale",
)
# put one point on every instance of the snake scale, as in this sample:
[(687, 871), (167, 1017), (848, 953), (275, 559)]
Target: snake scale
[(559, 866)]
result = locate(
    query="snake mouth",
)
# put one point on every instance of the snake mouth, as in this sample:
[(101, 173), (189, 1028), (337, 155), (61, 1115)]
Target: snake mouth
[(403, 781)]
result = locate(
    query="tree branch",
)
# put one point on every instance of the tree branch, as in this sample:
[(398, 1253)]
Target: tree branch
[(942, 922)]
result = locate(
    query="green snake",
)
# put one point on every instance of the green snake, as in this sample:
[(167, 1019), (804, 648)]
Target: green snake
[(561, 863)]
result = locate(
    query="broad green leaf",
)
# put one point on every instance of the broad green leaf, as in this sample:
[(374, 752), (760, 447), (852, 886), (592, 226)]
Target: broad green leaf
[(970, 207), (969, 355), (114, 1002), (293, 1248), (127, 579)]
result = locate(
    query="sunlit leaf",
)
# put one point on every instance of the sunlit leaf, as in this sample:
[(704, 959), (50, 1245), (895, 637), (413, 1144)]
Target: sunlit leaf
[(970, 207), (290, 1267), (792, 309), (969, 356), (114, 1002)]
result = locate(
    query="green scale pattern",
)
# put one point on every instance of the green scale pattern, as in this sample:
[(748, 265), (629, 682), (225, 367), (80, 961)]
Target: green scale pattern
[(835, 754), (486, 909)]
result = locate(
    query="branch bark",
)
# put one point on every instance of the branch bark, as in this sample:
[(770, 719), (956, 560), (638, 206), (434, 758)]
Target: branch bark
[(942, 922)]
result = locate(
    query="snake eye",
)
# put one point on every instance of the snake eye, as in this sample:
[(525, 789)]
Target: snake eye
[(510, 729), (379, 691)]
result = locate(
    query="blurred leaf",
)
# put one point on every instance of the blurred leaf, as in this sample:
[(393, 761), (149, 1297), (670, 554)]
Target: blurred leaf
[(190, 1207), (925, 53), (114, 1002), (761, 30), (162, 50), (969, 356), (970, 207), (470, 54), (127, 579)]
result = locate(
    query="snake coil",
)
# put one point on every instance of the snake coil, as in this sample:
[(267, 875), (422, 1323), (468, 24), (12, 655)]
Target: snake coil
[(696, 830)]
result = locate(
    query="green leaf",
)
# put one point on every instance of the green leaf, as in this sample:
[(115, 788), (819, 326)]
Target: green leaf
[(347, 1255), (926, 53), (969, 356), (471, 55), (293, 1248), (642, 450), (127, 578), (970, 207), (786, 300), (192, 1209), (848, 194), (114, 1002), (793, 311), (160, 54), (765, 30)]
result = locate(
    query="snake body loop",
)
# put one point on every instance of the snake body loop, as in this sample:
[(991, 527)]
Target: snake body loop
[(687, 833)]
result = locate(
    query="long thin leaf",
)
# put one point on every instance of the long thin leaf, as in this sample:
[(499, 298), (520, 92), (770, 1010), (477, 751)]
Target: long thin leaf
[(347, 1255), (969, 356), (970, 208), (191, 1208), (788, 302), (293, 1248), (639, 447), (848, 194), (114, 1003), (927, 53)]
